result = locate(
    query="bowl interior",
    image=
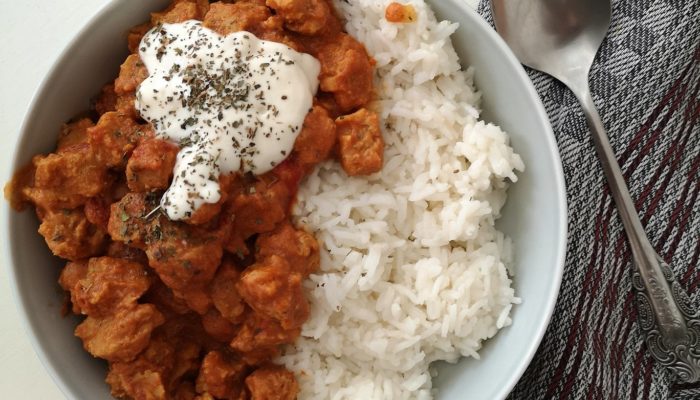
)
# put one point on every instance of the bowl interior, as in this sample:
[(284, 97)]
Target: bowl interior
[(535, 216)]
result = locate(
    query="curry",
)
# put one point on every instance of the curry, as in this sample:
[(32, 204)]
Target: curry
[(198, 308)]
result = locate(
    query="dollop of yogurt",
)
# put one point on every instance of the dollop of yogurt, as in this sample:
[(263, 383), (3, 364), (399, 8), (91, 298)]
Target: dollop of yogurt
[(232, 103)]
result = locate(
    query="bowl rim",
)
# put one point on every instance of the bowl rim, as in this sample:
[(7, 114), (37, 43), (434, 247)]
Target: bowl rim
[(560, 183), (558, 270), (8, 255)]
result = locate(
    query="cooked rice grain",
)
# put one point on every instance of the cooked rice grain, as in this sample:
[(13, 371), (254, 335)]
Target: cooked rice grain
[(412, 268)]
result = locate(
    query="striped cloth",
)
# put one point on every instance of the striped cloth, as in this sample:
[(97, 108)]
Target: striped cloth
[(645, 82)]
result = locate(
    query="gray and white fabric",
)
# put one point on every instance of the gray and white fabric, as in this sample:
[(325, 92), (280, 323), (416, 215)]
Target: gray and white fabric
[(645, 83)]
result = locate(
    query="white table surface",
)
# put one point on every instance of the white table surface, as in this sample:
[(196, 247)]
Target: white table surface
[(34, 32)]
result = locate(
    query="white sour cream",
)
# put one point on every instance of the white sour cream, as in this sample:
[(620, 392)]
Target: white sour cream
[(232, 103)]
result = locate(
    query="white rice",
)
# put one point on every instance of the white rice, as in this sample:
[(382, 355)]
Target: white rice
[(412, 268)]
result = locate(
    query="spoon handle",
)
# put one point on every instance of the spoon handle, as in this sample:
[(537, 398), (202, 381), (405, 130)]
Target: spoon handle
[(670, 327)]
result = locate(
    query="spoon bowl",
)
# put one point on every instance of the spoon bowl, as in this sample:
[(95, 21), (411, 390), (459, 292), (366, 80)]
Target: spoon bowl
[(559, 37)]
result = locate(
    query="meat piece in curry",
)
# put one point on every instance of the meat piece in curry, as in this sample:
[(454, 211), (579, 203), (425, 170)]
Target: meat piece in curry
[(70, 235), (105, 284), (150, 166), (361, 146), (272, 288), (197, 309), (272, 382)]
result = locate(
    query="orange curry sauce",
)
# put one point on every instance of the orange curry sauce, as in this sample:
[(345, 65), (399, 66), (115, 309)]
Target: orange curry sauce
[(197, 309)]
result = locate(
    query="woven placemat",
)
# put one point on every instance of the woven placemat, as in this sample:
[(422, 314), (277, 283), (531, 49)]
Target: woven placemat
[(645, 83)]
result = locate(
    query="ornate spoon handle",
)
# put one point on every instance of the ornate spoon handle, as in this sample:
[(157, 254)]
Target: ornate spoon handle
[(673, 331), (671, 327)]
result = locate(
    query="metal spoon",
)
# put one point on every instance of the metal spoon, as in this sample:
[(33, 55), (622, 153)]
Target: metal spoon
[(561, 38)]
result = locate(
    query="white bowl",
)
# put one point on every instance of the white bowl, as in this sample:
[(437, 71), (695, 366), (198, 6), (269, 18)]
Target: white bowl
[(535, 216)]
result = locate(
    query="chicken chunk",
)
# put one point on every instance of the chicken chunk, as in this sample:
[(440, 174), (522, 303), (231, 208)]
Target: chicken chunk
[(163, 297), (187, 359), (97, 211), (122, 335), (126, 253), (297, 247), (71, 274), (73, 133), (203, 6), (240, 16), (272, 382), (208, 211), (109, 101), (272, 29), (316, 139), (262, 334), (307, 17), (106, 101), (114, 138), (218, 327), (126, 106), (196, 295), (346, 71), (157, 370), (128, 222), (136, 34), (151, 165), (181, 11), (109, 284), (361, 146), (131, 73), (257, 209), (184, 256), (221, 376), (70, 235), (272, 288), (224, 294), (66, 180), (126, 381), (16, 190)]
